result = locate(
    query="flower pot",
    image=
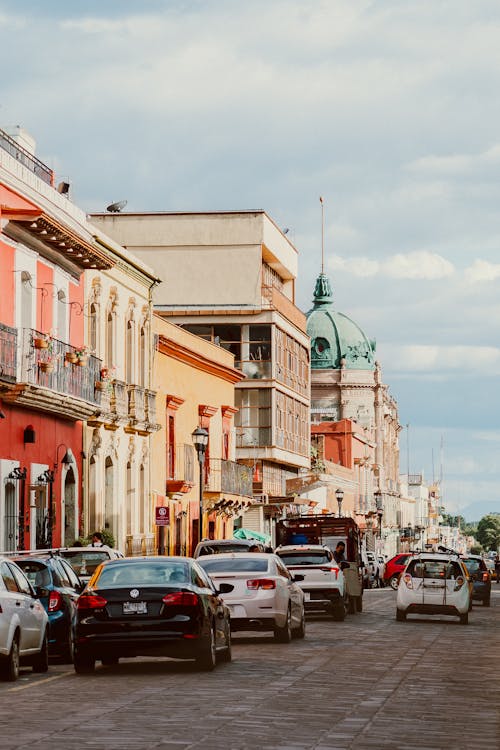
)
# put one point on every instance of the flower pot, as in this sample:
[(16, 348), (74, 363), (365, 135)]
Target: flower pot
[(71, 357), (100, 385), (40, 343), (46, 366), (82, 361)]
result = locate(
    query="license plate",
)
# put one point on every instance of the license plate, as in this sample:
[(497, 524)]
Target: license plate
[(135, 608)]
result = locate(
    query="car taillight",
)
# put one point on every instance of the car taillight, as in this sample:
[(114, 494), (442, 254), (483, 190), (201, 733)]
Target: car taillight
[(91, 601), (261, 583), (408, 581), (181, 599), (331, 570), (55, 601), (459, 583), (486, 576)]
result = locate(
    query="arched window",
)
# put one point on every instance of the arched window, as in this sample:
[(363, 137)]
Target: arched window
[(129, 352), (129, 499), (143, 357), (93, 328), (110, 339), (26, 300), (62, 316)]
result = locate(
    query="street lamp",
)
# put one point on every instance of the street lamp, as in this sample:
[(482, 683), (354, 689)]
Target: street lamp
[(339, 494), (200, 442)]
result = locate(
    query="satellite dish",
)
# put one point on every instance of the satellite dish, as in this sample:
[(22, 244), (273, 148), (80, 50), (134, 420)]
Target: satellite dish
[(115, 208)]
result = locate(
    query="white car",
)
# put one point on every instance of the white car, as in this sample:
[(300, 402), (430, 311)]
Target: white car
[(265, 595), (23, 624), (323, 584), (84, 560), (434, 584)]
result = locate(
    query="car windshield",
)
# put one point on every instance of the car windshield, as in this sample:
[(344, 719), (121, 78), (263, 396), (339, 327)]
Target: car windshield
[(85, 561), (36, 572), (217, 549), (473, 565), (434, 569), (235, 565), (143, 574), (305, 558)]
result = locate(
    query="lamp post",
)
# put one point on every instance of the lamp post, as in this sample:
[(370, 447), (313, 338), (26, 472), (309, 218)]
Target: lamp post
[(339, 494), (200, 442)]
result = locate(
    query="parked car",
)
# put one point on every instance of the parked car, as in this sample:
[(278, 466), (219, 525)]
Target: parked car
[(265, 596), (480, 576), (23, 624), (434, 584), (84, 560), (218, 546), (58, 587), (151, 606), (324, 584), (394, 567)]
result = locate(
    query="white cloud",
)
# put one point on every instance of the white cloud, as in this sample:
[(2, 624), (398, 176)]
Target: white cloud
[(482, 270), (456, 164), (436, 359), (418, 265)]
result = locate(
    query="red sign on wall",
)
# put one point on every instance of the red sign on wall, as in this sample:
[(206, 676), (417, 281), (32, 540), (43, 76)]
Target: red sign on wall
[(162, 516)]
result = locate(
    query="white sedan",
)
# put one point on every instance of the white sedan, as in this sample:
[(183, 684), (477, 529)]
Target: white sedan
[(23, 624), (265, 595)]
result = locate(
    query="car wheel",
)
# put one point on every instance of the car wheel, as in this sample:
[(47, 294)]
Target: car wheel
[(68, 653), (301, 630), (207, 659), (41, 660), (226, 655), (83, 663), (464, 619), (9, 666), (338, 611), (486, 601), (284, 634), (394, 581), (400, 615)]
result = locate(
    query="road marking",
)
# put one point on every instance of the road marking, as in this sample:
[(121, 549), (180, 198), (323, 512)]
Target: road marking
[(39, 682)]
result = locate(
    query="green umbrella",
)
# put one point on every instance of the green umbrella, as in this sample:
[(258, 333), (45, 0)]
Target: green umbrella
[(248, 534)]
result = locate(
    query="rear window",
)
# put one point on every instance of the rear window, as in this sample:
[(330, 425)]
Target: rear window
[(84, 562), (144, 574), (434, 569), (473, 565), (233, 565), (305, 558), (218, 549), (36, 572)]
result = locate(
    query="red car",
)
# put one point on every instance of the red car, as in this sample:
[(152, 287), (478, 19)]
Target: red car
[(394, 567)]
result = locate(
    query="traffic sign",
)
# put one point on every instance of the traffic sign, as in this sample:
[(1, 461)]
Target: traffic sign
[(162, 516)]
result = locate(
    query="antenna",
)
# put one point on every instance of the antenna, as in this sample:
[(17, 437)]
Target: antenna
[(322, 235), (115, 208)]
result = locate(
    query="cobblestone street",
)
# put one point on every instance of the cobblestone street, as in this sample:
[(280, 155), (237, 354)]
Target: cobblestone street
[(369, 682)]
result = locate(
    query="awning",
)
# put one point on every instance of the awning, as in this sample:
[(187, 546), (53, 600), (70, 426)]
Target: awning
[(249, 534)]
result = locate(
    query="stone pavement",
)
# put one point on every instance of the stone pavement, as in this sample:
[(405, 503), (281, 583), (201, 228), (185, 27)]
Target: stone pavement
[(369, 682)]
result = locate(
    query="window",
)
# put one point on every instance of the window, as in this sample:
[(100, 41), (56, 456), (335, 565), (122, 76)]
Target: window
[(129, 352), (306, 558), (254, 417), (110, 340), (21, 581), (234, 565), (93, 328), (8, 578), (170, 446)]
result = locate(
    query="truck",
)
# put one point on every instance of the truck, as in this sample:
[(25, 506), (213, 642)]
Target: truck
[(329, 530)]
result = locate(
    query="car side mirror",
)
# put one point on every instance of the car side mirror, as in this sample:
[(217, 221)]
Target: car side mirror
[(344, 565), (225, 588), (298, 577)]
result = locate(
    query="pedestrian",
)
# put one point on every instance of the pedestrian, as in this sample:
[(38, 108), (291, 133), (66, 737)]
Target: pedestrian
[(339, 555), (97, 540), (254, 548), (497, 569)]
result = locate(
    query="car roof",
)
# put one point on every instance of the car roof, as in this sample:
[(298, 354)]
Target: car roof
[(150, 558), (234, 556), (302, 547), (435, 556)]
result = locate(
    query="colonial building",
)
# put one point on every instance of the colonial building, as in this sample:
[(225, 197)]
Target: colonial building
[(46, 375), (230, 279), (346, 384), (196, 381)]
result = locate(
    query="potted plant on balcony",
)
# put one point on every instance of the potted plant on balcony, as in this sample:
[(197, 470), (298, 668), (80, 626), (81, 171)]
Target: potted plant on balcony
[(47, 365), (71, 357), (82, 355), (106, 381), (42, 341)]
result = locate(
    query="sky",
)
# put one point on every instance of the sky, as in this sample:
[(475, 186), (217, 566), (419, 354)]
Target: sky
[(387, 109)]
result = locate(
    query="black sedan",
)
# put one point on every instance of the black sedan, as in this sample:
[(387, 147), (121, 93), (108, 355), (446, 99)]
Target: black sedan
[(481, 578), (151, 606)]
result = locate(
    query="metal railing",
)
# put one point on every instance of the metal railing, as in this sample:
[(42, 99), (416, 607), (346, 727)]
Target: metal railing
[(230, 477), (23, 156), (8, 353), (48, 367)]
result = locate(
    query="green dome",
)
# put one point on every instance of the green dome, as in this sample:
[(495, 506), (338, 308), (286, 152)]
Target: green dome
[(336, 340)]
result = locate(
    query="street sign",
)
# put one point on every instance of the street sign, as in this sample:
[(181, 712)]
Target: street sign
[(162, 516)]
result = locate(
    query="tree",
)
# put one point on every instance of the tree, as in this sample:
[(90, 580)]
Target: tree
[(488, 531)]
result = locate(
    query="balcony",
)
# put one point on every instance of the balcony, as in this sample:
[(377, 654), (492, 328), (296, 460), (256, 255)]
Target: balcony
[(136, 403), (229, 477), (8, 353), (46, 379), (20, 154), (273, 299), (181, 469)]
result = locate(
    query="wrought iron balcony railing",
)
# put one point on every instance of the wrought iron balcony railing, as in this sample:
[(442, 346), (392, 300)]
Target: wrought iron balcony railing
[(25, 158), (44, 362), (230, 477), (8, 353)]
